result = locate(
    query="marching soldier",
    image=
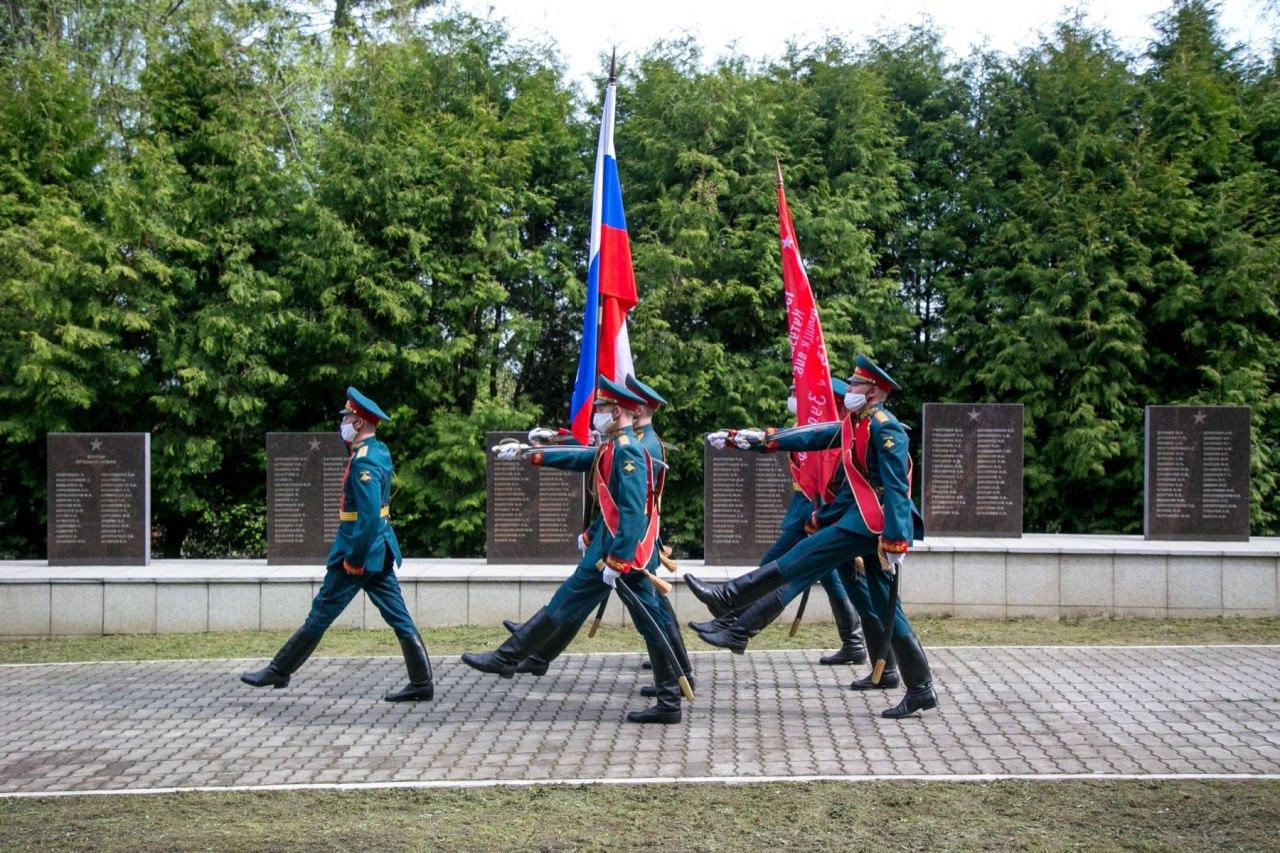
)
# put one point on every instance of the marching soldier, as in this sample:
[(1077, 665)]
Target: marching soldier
[(581, 459), (657, 451), (364, 556), (796, 524), (617, 550), (872, 514)]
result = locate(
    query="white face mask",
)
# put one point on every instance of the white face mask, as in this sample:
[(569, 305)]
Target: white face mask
[(347, 431), (853, 402), (791, 405), (602, 421)]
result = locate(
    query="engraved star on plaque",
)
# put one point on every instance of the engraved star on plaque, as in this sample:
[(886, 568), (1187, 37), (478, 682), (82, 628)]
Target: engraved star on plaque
[(95, 445), (313, 445), (973, 415), (1199, 417)]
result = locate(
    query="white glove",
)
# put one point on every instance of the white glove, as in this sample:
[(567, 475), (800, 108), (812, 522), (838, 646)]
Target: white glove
[(542, 435), (741, 442), (507, 452), (582, 544), (718, 438), (895, 561), (610, 576), (593, 438), (745, 439)]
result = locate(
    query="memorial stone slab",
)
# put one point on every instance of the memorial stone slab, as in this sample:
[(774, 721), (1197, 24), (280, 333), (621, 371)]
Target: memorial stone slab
[(533, 513), (972, 465), (745, 497), (1197, 473), (304, 494), (99, 493)]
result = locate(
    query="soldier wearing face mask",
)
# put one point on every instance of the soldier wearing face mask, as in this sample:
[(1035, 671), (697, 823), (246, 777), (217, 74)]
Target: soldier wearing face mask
[(797, 524), (364, 556), (872, 513), (621, 543)]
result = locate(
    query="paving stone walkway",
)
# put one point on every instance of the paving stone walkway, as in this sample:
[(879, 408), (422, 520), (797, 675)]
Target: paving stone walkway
[(1021, 710)]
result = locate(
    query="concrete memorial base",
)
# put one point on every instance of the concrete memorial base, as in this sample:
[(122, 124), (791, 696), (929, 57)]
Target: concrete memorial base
[(1047, 576)]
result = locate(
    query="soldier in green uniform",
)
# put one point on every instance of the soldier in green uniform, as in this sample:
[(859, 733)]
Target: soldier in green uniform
[(872, 513), (364, 556), (797, 524), (575, 457), (618, 547), (657, 451)]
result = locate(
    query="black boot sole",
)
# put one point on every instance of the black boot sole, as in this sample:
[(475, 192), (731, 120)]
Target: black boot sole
[(275, 684), (536, 672), (838, 659), (863, 684), (415, 695), (718, 640), (501, 672), (650, 716), (909, 706)]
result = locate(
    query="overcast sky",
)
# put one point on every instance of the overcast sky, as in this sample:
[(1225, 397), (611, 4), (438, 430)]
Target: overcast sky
[(583, 30)]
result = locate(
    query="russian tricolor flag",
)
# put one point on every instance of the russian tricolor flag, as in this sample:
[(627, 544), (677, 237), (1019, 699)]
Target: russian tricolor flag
[(611, 283)]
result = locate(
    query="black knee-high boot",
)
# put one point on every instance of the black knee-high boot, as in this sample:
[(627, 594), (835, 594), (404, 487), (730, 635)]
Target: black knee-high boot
[(751, 622), (540, 659), (888, 678), (292, 655), (525, 639), (739, 592), (671, 625), (852, 649), (420, 687), (915, 672), (667, 707)]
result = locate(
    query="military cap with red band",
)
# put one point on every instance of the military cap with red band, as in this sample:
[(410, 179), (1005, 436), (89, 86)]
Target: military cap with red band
[(608, 391), (651, 398), (866, 370), (362, 407)]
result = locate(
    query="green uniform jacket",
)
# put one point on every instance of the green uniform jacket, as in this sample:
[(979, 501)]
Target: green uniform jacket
[(629, 486), (887, 467), (364, 533), (653, 446)]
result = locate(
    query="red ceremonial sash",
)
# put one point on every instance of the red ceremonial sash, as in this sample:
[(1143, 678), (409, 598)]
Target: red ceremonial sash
[(609, 507), (853, 440), (853, 446)]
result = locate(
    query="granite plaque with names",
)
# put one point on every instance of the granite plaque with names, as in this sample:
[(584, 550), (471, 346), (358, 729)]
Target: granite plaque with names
[(304, 495), (971, 463), (99, 498), (533, 513), (1197, 473), (745, 497)]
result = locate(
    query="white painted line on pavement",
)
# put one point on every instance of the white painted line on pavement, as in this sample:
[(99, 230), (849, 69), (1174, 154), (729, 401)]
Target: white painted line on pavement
[(660, 780), (641, 652)]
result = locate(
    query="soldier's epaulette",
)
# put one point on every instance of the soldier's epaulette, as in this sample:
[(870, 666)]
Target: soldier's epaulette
[(362, 452), (882, 417), (623, 441)]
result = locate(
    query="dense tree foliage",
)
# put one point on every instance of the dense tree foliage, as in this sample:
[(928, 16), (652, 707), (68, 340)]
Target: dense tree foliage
[(216, 214)]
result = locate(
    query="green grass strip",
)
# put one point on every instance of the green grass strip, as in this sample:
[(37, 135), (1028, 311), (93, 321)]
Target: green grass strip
[(933, 631)]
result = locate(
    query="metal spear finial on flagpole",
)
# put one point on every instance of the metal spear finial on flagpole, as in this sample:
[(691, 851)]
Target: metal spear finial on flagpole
[(777, 165), (613, 66)]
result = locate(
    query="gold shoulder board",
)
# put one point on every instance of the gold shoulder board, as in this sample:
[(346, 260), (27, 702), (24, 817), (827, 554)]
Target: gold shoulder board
[(882, 417), (624, 440), (362, 452)]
